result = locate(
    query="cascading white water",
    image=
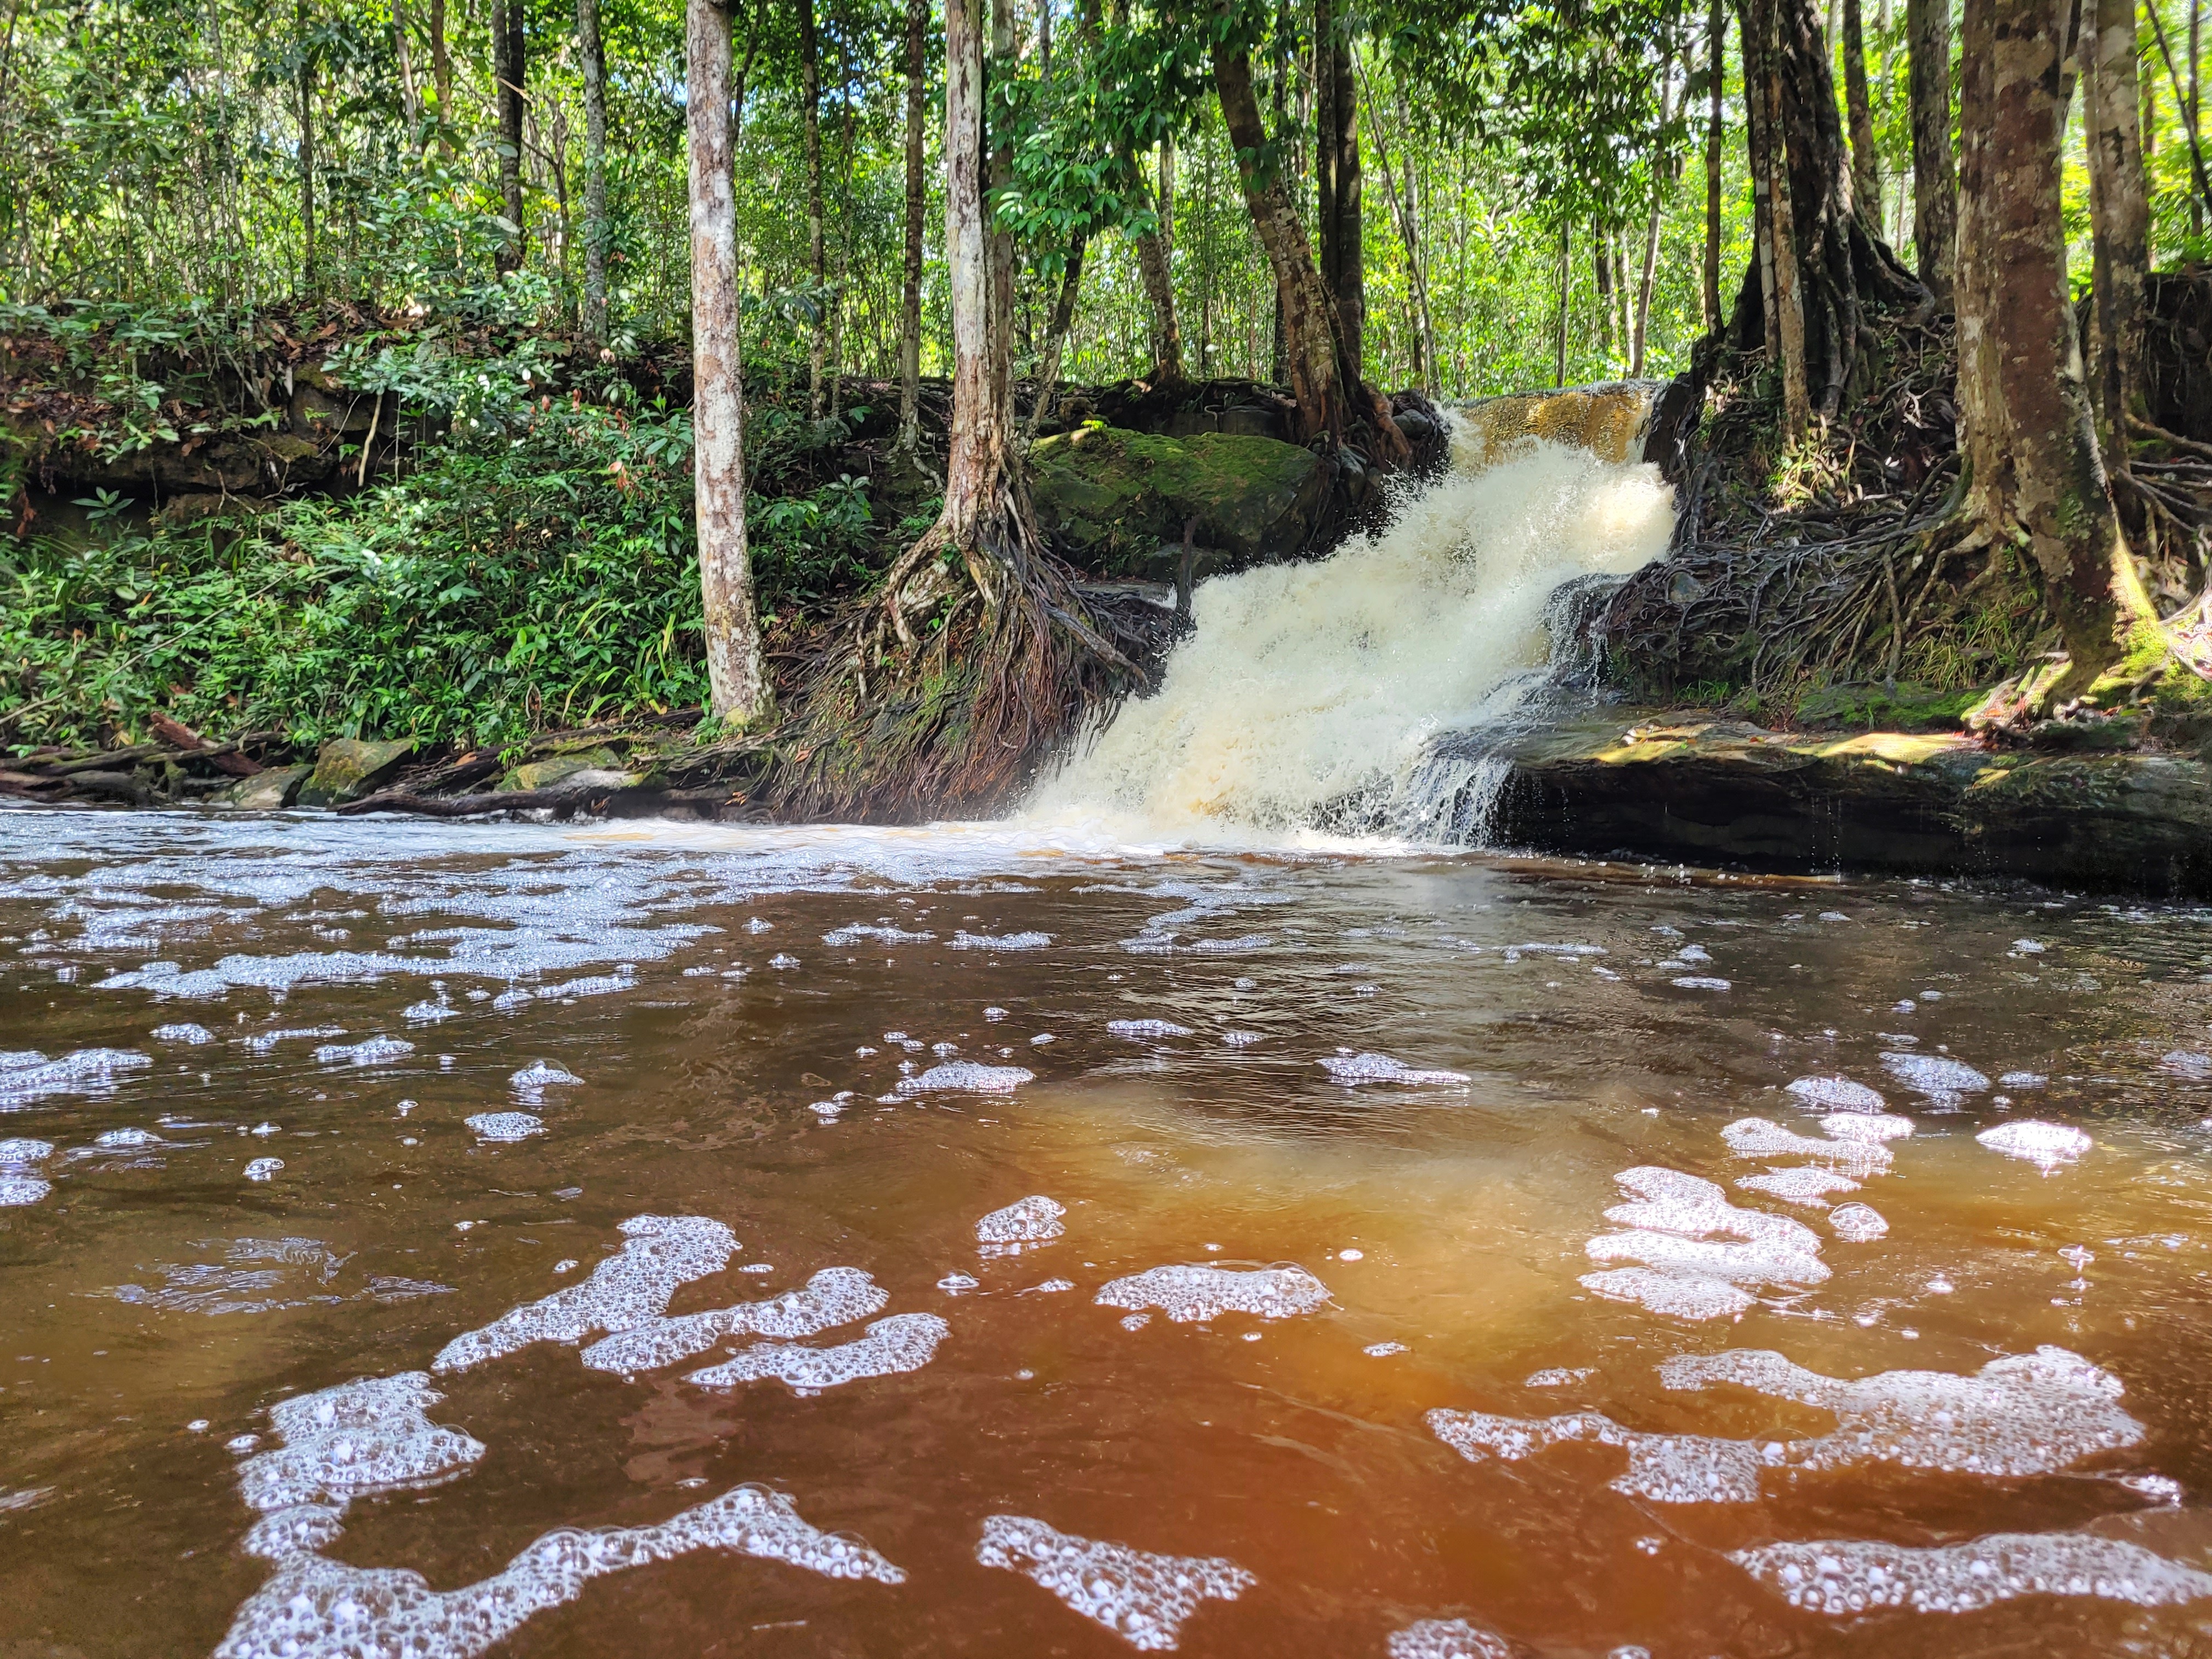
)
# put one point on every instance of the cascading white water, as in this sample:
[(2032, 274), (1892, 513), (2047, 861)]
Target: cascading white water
[(1310, 694)]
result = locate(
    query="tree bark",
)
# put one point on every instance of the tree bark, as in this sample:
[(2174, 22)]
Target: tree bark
[(1662, 172), (509, 69), (1935, 171), (1716, 130), (592, 53), (1866, 166), (810, 111), (1404, 207), (736, 687), (1056, 331), (402, 47), (1566, 288), (1153, 267), (441, 72), (2119, 218), (1789, 290), (917, 202), (1337, 169), (2030, 445), (309, 280)]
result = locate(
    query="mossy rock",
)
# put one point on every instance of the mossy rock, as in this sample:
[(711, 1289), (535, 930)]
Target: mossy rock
[(1904, 706), (349, 768), (544, 773), (1112, 497), (269, 790)]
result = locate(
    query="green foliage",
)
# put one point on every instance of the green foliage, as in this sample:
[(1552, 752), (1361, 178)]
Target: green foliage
[(545, 575)]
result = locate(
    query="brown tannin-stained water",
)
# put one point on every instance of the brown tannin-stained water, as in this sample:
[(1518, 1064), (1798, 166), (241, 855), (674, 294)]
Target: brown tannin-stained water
[(671, 1241)]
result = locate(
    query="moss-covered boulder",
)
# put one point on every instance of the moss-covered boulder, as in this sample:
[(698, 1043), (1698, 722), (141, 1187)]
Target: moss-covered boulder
[(269, 790), (1111, 498), (599, 762), (349, 768)]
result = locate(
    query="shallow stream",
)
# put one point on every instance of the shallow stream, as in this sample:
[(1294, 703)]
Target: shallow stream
[(963, 1242)]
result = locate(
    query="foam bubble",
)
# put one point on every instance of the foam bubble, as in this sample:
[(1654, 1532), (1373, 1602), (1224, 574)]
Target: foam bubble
[(23, 1150), (1374, 1350), (2023, 1079), (2046, 1145), (1147, 1027), (2187, 1064), (1027, 1222), (1865, 1126), (1686, 1274), (1759, 1137), (1141, 1597), (1702, 982), (1836, 1094), (1857, 1224), (834, 1297), (194, 1036), (261, 1042), (26, 1075), (374, 1051), (530, 1083), (967, 1075), (1666, 1468), (1558, 1377), (366, 1436), (312, 1605), (1353, 1070), (1803, 1186), (1242, 1039), (264, 1169), (904, 1342), (19, 1190), (505, 1126), (1851, 1577), (963, 940), (1200, 1292), (885, 935), (659, 1253), (1936, 1076)]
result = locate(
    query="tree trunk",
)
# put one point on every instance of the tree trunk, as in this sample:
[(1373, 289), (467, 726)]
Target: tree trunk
[(1566, 287), (1337, 169), (1781, 207), (1003, 69), (736, 690), (1716, 130), (1153, 267), (441, 72), (306, 88), (509, 69), (402, 47), (592, 52), (1866, 168), (1662, 172), (917, 202), (2119, 218), (1405, 208), (2025, 418), (1055, 338), (810, 115), (1935, 174)]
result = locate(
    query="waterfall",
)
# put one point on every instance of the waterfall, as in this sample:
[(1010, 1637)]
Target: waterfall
[(1311, 698)]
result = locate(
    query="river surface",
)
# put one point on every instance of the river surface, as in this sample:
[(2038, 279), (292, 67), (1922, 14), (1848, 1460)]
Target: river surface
[(588, 1240)]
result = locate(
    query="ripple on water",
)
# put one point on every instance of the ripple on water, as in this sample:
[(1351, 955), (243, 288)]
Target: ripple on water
[(314, 1605), (904, 1342), (1141, 1597), (834, 1297), (1848, 1577), (1200, 1292)]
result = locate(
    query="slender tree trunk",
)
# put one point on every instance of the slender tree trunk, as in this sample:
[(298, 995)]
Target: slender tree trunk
[(1758, 322), (1781, 271), (2025, 426), (1344, 266), (310, 276), (509, 68), (1715, 130), (1566, 286), (810, 116), (1002, 68), (1662, 172), (2119, 218), (1602, 277), (1055, 338), (1866, 166), (1935, 172), (1153, 267), (1403, 208), (592, 53), (737, 690), (441, 72), (402, 47), (917, 202), (2195, 102)]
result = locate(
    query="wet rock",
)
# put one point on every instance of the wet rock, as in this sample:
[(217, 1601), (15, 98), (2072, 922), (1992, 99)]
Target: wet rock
[(349, 768), (1113, 497), (268, 791), (1706, 790), (553, 769)]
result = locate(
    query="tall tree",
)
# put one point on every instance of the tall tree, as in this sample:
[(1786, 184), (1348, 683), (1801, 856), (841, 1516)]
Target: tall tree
[(736, 688), (1716, 133), (591, 53), (917, 203), (1337, 175), (1866, 164), (304, 87), (510, 71), (2119, 217), (2031, 449), (441, 73), (810, 115), (1935, 171)]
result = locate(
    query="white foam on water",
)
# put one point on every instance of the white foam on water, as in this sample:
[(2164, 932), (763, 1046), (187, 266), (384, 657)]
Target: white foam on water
[(833, 1296), (659, 1253), (1851, 1577), (264, 1169), (2046, 1145), (1373, 1350), (1865, 1126), (1698, 1251), (968, 1076), (187, 1033), (1304, 685), (1446, 1638), (1759, 1137), (1141, 1029), (1558, 1377), (17, 1190), (2023, 1079), (1799, 1186), (312, 1606), (27, 1076), (366, 1436), (1242, 1039), (1836, 1094), (21, 1148), (1857, 1224), (375, 1051), (1027, 1222), (127, 1140), (1936, 1076), (1141, 1597), (1353, 1070), (2187, 1064), (261, 1042), (530, 1083), (883, 935), (1666, 1468), (1200, 1292), (1702, 982), (963, 940), (904, 1342), (505, 1126)]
